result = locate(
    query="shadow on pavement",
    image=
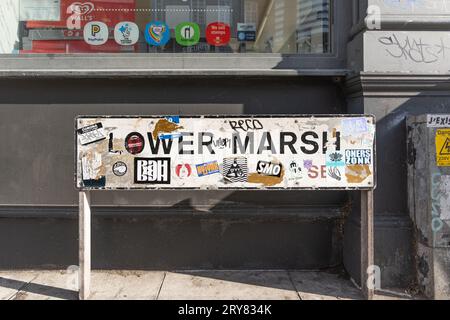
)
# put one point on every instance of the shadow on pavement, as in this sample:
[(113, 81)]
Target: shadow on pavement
[(25, 288)]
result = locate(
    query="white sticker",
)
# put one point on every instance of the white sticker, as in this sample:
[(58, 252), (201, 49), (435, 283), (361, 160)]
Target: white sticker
[(126, 33), (42, 10), (91, 134), (96, 33), (354, 126), (246, 27), (91, 165), (9, 20)]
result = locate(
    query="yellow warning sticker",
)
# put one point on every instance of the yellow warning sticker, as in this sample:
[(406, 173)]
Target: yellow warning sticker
[(443, 147)]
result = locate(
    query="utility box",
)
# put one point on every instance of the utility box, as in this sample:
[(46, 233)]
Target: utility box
[(429, 200)]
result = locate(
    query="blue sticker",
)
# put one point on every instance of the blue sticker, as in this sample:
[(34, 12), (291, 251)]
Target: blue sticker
[(93, 183), (173, 119), (170, 136), (246, 31), (246, 35), (157, 33), (335, 159), (208, 168)]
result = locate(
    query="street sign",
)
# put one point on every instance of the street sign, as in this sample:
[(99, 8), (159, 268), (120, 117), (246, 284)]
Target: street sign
[(225, 152)]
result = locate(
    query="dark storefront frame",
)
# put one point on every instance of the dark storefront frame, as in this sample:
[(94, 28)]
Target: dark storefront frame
[(305, 233), (157, 64)]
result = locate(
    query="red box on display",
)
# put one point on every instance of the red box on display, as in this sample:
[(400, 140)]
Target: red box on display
[(74, 16)]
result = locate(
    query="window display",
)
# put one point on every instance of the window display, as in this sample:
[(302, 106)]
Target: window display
[(165, 26)]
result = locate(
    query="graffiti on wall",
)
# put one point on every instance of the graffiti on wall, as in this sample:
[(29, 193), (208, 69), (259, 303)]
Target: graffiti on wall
[(415, 49)]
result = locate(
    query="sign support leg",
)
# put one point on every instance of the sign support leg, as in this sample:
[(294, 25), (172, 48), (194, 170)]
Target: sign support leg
[(84, 244), (367, 243)]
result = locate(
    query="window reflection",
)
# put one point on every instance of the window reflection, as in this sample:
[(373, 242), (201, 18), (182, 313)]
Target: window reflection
[(180, 26)]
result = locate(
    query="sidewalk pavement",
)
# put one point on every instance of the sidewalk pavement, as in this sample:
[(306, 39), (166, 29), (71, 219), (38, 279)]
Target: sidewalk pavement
[(184, 285)]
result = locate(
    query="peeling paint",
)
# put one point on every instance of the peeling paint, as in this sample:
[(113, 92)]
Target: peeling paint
[(165, 126), (267, 181), (357, 173)]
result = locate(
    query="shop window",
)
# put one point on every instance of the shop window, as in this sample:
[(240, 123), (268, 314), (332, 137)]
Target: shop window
[(165, 26)]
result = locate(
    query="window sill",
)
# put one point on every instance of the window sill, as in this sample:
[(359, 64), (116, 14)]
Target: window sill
[(152, 73), (163, 65)]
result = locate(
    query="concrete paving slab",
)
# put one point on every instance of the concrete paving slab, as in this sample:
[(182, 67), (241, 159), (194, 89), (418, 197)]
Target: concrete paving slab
[(396, 294), (324, 286), (188, 285), (121, 285), (12, 281), (50, 285), (228, 285)]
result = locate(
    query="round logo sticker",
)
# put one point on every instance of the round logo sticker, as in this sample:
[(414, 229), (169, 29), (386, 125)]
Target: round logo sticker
[(218, 34), (119, 168), (157, 33), (134, 143), (95, 33), (126, 33), (183, 171)]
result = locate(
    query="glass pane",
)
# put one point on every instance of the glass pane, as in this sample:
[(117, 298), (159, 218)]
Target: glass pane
[(165, 26)]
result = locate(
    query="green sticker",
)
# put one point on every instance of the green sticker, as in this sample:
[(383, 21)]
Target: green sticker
[(187, 33)]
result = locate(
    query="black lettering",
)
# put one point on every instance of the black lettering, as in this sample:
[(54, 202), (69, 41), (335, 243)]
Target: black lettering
[(338, 141), (110, 142), (246, 125), (249, 141), (249, 124), (266, 137), (290, 144), (324, 142), (167, 144), (202, 143), (312, 143), (257, 125), (233, 125), (182, 143)]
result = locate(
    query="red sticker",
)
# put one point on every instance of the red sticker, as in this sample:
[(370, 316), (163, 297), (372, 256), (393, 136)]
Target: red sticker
[(183, 171), (134, 143), (218, 34)]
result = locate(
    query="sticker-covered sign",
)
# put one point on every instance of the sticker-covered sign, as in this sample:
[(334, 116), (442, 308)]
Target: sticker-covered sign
[(443, 147), (226, 152)]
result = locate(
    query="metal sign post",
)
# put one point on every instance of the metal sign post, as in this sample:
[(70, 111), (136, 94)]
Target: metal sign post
[(286, 152), (84, 226), (367, 242)]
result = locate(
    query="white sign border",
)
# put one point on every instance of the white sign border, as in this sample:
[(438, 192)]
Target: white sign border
[(218, 116)]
